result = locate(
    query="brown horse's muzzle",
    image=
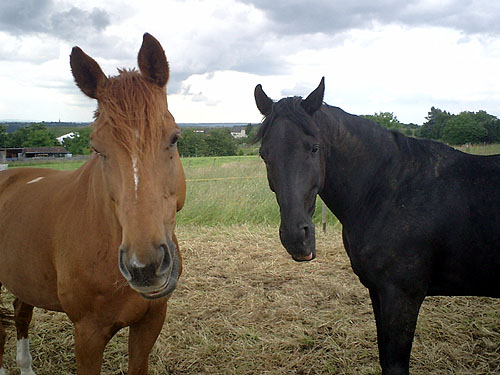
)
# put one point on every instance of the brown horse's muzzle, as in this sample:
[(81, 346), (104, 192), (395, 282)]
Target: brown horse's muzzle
[(155, 279)]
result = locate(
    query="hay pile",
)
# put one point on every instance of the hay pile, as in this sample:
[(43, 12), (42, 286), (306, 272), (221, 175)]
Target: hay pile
[(244, 307)]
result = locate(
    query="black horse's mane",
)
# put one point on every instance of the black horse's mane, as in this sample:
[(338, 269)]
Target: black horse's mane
[(322, 125), (370, 131)]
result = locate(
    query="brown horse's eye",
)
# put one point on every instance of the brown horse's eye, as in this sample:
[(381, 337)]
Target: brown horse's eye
[(174, 140), (97, 152), (315, 148)]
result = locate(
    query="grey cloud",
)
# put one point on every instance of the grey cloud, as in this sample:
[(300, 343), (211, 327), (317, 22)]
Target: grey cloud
[(23, 16), (43, 16), (174, 85), (335, 16), (67, 23)]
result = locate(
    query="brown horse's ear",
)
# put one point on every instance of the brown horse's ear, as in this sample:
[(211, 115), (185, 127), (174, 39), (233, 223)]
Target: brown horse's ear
[(87, 73), (264, 103), (152, 61), (315, 99)]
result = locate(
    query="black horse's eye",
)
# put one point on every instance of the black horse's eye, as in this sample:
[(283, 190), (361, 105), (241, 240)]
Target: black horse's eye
[(315, 148)]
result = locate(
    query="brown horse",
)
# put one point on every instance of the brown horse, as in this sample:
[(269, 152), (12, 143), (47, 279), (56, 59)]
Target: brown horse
[(98, 243)]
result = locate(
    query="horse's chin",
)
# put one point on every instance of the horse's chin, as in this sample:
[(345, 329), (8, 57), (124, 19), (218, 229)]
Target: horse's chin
[(165, 290), (303, 251), (304, 258)]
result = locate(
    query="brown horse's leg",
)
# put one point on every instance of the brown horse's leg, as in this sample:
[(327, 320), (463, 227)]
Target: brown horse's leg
[(2, 348), (22, 317), (142, 337), (3, 336), (90, 341)]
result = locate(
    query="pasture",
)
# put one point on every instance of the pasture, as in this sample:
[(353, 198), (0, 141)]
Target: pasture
[(244, 307)]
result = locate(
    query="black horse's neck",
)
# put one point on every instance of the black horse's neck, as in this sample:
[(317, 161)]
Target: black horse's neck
[(364, 162)]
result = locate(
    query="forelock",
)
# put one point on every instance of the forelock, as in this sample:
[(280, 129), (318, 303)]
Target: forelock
[(291, 109), (134, 108)]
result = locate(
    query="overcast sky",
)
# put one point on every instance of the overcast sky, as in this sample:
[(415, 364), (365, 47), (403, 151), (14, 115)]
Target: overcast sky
[(376, 56)]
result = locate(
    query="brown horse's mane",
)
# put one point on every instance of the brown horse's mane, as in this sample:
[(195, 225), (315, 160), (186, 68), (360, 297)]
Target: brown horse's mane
[(136, 110)]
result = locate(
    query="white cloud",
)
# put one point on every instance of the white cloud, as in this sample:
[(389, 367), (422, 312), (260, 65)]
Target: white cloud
[(223, 96), (384, 56)]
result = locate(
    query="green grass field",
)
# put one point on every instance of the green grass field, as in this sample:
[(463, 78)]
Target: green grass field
[(231, 190), (481, 149), (225, 190)]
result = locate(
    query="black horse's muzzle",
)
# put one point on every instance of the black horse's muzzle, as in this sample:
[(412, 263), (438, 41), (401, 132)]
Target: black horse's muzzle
[(299, 241)]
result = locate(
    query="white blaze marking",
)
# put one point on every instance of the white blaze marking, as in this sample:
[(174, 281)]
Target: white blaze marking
[(23, 358), (136, 175), (35, 180)]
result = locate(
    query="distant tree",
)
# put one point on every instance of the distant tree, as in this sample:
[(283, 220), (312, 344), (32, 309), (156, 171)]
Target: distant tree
[(463, 128), (436, 120), (3, 135), (192, 143), (35, 135), (220, 142), (80, 143), (491, 124), (250, 130), (385, 119)]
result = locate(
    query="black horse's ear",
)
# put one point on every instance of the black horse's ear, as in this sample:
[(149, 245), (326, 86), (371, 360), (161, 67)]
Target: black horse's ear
[(87, 72), (264, 103), (152, 61), (315, 99)]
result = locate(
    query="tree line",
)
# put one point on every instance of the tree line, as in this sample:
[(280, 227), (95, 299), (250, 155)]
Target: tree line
[(210, 142), (464, 128), (38, 135), (213, 142)]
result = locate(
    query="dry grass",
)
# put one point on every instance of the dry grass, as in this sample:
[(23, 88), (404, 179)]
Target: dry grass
[(244, 307)]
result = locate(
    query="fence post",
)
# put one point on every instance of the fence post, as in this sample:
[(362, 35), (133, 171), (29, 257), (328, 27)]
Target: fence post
[(323, 215)]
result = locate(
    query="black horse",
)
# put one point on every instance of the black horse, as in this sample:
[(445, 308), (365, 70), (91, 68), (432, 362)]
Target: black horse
[(419, 218)]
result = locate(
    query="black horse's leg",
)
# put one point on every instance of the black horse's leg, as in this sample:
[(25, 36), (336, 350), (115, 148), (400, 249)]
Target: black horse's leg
[(396, 313), (378, 321)]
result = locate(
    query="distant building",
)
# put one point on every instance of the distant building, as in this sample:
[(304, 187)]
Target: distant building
[(64, 136), (47, 152), (238, 132), (33, 152)]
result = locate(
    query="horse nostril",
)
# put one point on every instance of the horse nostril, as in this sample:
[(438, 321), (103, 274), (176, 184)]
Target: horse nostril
[(123, 265), (306, 231), (165, 263)]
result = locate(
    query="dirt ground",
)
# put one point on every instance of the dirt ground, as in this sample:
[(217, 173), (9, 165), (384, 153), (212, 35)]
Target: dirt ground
[(244, 307)]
